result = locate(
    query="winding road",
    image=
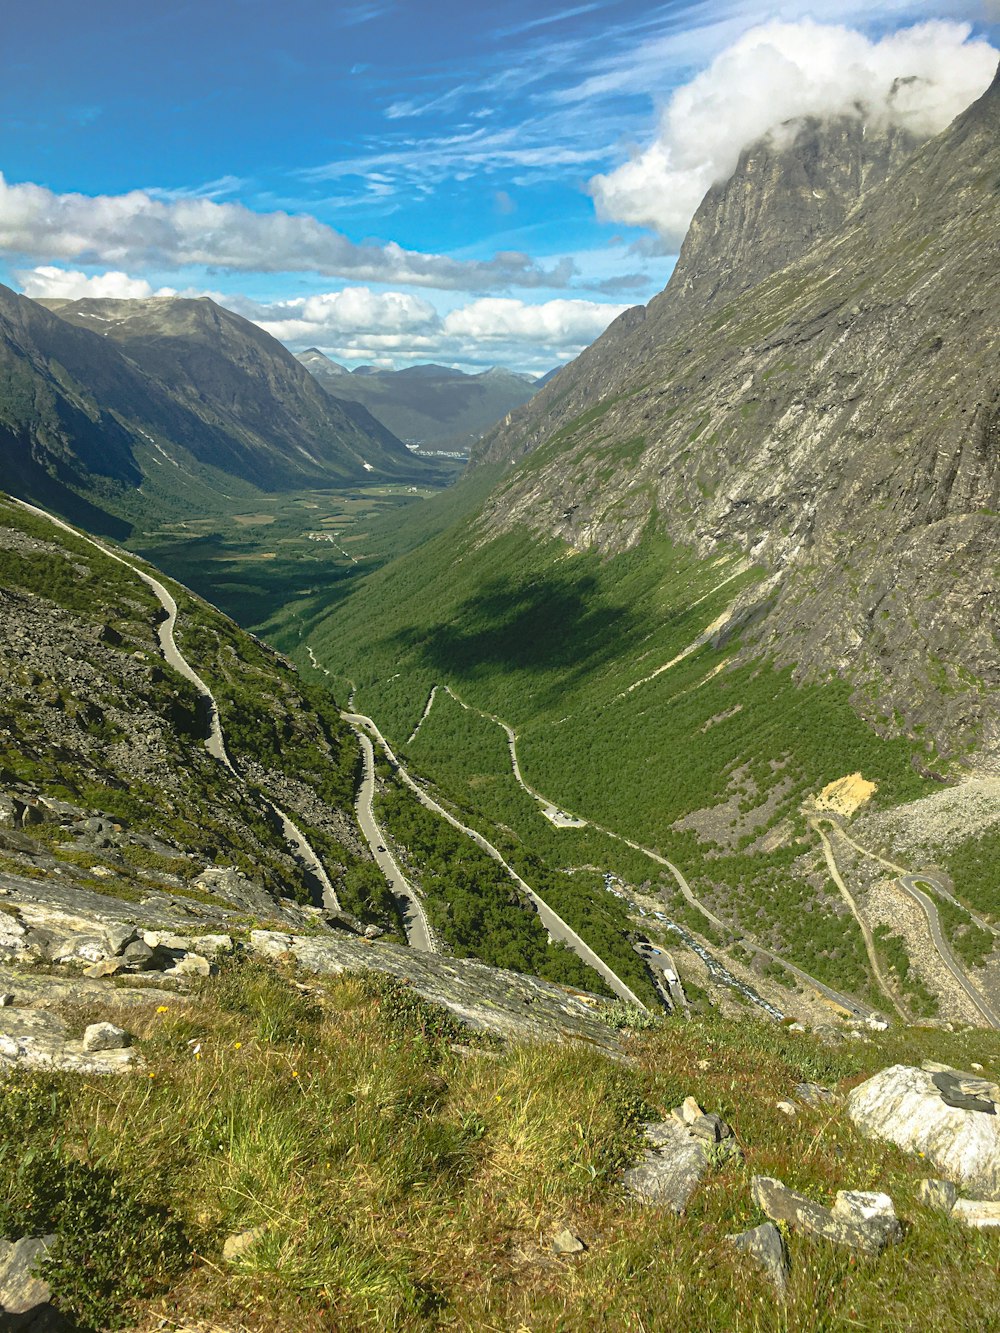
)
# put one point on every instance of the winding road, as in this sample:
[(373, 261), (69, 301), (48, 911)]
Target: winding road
[(562, 819), (215, 742), (908, 884), (888, 990), (557, 928), (411, 909)]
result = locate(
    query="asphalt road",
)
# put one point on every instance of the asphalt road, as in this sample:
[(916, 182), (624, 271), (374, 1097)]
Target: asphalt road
[(908, 884), (215, 742), (418, 931), (845, 1002), (557, 928)]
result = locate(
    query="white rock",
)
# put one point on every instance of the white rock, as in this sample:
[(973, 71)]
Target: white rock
[(690, 1111), (191, 965), (209, 945), (786, 1108), (977, 1212), (105, 1037), (903, 1105), (863, 1205)]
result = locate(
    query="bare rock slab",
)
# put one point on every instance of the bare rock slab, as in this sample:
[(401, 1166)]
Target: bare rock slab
[(38, 1039), (916, 1109), (860, 1221), (673, 1165), (764, 1244)]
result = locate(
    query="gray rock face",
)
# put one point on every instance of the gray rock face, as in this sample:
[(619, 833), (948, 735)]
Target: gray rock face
[(673, 1165), (765, 1245), (866, 1223), (907, 1107), (849, 398), (489, 998), (21, 1292)]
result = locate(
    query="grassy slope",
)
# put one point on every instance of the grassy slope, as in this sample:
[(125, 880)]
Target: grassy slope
[(550, 640), (400, 1184)]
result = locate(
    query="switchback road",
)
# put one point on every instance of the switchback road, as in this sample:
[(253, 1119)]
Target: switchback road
[(215, 742), (557, 928), (411, 909)]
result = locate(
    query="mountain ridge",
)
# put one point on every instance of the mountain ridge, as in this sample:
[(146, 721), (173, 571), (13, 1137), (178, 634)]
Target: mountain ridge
[(861, 380)]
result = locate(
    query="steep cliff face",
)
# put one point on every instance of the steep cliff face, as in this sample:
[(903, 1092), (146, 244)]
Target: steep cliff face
[(837, 423), (787, 193)]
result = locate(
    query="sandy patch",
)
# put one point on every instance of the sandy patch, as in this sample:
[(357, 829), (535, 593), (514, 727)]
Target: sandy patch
[(846, 795)]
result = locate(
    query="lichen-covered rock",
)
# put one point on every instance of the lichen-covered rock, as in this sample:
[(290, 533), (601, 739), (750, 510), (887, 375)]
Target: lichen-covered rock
[(764, 1244), (105, 1037), (866, 1223), (38, 1039), (21, 1291), (673, 1165), (914, 1108)]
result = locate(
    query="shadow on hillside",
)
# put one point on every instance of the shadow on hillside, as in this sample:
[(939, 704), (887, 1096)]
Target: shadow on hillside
[(541, 625)]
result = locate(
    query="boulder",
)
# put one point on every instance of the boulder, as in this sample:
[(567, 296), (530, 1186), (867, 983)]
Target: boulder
[(863, 1222), (21, 1291), (939, 1194), (710, 1127), (813, 1094), (672, 1166), (119, 936), (105, 1037), (944, 1115), (764, 1244)]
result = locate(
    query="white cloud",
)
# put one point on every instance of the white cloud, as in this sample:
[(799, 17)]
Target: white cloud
[(355, 311), (138, 230), (358, 324), (555, 324), (47, 281), (778, 72)]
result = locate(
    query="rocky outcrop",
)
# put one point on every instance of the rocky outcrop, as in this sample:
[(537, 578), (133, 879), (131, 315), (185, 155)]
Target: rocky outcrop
[(766, 1247), (490, 999), (948, 1117), (39, 1039), (678, 1154), (861, 1220)]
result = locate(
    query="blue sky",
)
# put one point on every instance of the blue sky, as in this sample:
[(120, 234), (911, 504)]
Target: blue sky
[(398, 181)]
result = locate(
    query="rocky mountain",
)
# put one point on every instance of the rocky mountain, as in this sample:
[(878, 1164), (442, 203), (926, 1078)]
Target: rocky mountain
[(434, 406), (99, 398), (835, 422)]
